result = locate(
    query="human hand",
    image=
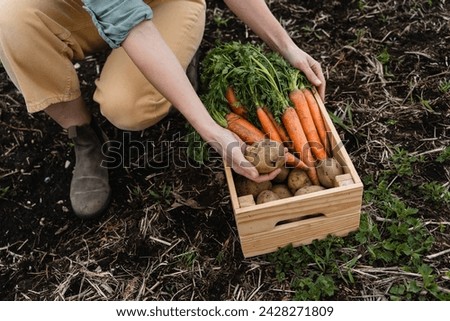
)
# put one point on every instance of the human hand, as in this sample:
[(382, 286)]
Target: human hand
[(231, 148), (310, 67)]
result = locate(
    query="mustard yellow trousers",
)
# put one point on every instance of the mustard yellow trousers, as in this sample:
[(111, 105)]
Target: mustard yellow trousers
[(41, 39)]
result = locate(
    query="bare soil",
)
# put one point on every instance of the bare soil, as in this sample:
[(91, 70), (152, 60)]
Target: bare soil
[(169, 233)]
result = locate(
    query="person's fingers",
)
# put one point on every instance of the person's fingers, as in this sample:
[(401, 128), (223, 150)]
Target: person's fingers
[(270, 176), (259, 178), (235, 157), (243, 167), (317, 70), (248, 172), (321, 90), (313, 71)]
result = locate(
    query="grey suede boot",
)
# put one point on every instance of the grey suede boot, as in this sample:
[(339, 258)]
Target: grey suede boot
[(89, 190)]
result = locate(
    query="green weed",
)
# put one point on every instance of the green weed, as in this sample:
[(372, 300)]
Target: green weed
[(220, 257), (391, 122), (4, 191), (360, 33), (435, 192), (425, 103), (403, 162), (161, 195), (399, 237), (197, 149), (311, 268), (346, 120), (136, 192), (361, 5), (188, 258), (444, 86), (429, 283), (384, 57), (314, 288), (444, 156), (219, 19)]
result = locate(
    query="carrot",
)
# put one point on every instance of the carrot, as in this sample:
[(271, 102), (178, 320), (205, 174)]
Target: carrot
[(267, 126), (301, 106), (281, 130), (248, 132), (234, 103), (251, 134), (294, 161), (270, 129), (295, 131), (318, 120)]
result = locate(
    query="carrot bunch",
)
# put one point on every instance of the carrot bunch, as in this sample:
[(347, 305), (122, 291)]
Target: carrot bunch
[(257, 95)]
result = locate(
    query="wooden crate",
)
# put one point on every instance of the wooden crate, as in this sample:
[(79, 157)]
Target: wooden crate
[(299, 220)]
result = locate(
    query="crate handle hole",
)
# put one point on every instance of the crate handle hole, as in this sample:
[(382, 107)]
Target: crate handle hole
[(301, 218)]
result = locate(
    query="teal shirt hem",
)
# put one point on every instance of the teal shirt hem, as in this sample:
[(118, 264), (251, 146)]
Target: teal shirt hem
[(114, 19)]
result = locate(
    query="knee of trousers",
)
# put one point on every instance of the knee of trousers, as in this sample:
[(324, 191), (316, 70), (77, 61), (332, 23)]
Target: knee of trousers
[(130, 113)]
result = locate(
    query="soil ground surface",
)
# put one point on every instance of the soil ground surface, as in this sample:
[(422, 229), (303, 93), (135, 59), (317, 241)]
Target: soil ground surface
[(169, 233)]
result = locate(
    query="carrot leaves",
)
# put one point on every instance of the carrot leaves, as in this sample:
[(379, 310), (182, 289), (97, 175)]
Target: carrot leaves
[(258, 78)]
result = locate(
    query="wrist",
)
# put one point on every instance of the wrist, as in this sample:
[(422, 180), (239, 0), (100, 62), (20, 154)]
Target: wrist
[(289, 51), (209, 130)]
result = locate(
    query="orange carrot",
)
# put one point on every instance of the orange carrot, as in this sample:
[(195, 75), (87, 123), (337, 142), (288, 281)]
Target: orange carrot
[(270, 129), (301, 106), (248, 132), (281, 130), (234, 103), (267, 126), (251, 134), (294, 161), (318, 120), (301, 146)]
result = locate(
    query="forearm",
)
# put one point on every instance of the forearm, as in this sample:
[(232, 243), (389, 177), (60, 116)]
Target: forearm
[(256, 15), (153, 57)]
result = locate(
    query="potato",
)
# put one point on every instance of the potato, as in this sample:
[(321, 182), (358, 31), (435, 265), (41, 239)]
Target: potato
[(281, 178), (245, 186), (266, 196), (309, 189), (327, 171), (297, 179), (266, 155), (281, 190)]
